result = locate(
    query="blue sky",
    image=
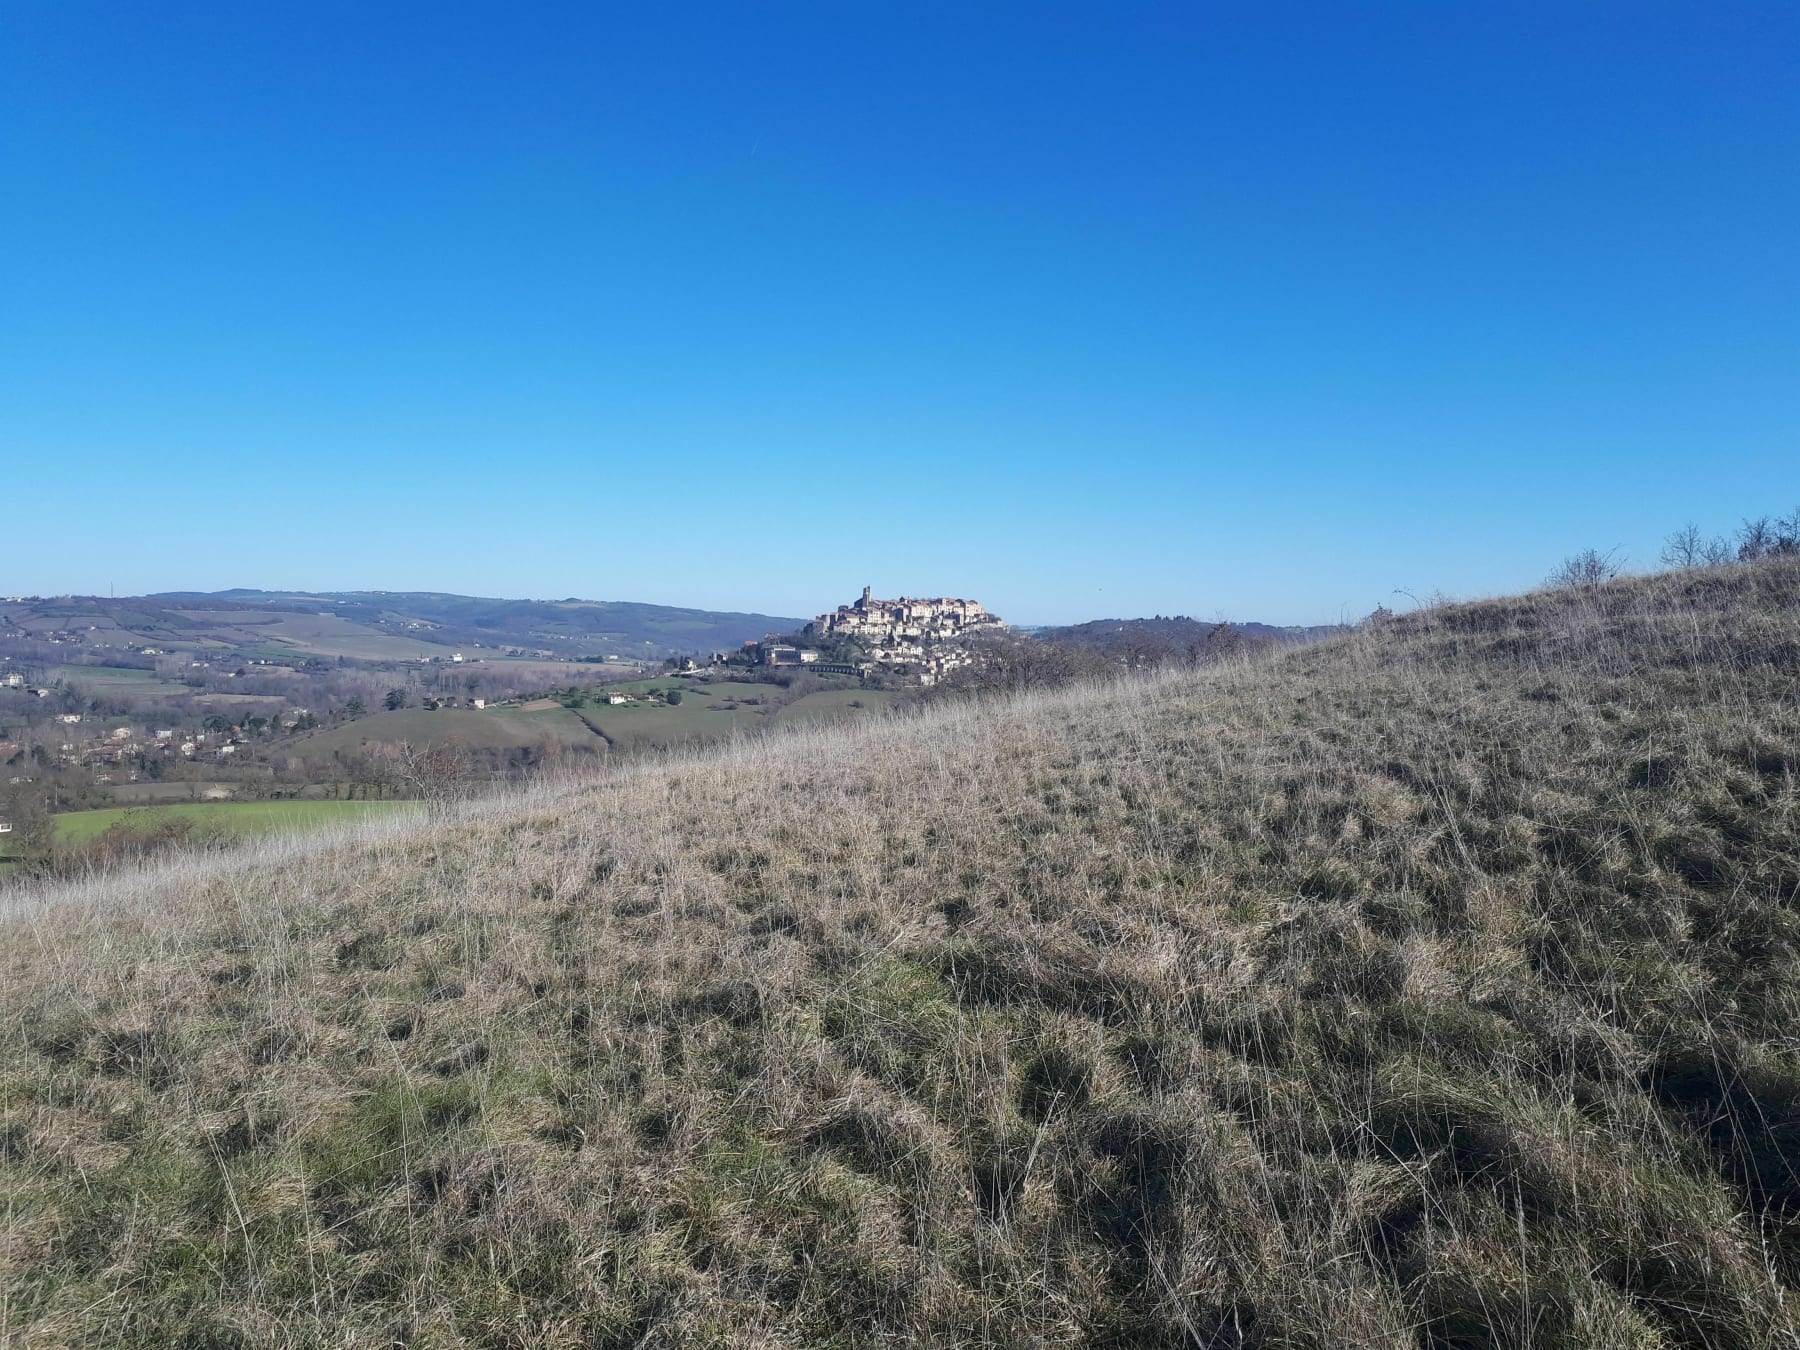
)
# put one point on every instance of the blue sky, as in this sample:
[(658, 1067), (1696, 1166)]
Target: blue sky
[(1243, 309)]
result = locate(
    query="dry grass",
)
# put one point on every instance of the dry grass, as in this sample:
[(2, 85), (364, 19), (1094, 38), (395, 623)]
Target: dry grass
[(1433, 986)]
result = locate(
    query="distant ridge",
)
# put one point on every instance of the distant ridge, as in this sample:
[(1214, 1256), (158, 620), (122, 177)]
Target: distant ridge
[(1177, 630), (568, 627)]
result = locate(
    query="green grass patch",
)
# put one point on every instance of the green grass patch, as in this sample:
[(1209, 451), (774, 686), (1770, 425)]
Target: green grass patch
[(497, 729), (239, 818)]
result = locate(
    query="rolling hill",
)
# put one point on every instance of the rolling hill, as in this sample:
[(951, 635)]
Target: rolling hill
[(1175, 634), (568, 627), (1431, 985), (381, 625)]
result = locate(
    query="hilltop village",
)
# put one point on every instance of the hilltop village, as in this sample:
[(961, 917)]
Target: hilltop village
[(96, 717), (910, 640)]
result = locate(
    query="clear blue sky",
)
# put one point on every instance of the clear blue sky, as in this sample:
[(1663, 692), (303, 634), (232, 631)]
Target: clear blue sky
[(1250, 309)]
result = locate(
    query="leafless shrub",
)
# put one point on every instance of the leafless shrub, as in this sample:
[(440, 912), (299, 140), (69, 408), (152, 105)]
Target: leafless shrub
[(430, 773), (1590, 567), (1684, 548), (1014, 662), (1769, 537)]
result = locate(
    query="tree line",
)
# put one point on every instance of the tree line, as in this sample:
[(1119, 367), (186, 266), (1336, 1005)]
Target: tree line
[(1756, 538)]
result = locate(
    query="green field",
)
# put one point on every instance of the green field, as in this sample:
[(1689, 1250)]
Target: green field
[(243, 818), (142, 686), (640, 726), (837, 705), (145, 794), (707, 711), (278, 633), (465, 728), (105, 675)]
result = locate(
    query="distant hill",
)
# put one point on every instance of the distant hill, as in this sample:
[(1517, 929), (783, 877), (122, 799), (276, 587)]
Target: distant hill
[(570, 627), (1176, 632)]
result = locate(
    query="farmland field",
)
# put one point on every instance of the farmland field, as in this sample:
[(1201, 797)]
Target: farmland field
[(640, 726), (244, 818), (118, 681), (715, 711), (465, 728), (313, 634), (103, 675), (140, 794), (832, 705)]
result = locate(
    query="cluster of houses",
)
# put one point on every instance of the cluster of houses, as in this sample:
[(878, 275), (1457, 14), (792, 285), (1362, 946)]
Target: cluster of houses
[(923, 639), (914, 638), (123, 745), (883, 621), (116, 747), (12, 679), (781, 654), (616, 698)]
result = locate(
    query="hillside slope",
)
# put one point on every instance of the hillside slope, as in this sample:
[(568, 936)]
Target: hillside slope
[(367, 625), (1434, 985), (1176, 634), (570, 627)]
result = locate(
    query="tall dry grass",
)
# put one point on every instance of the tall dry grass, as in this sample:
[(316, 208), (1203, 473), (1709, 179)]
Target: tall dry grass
[(1432, 986)]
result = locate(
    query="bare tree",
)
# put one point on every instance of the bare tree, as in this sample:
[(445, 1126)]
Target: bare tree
[(1589, 567), (1717, 552), (1756, 539), (1685, 548), (1221, 642), (1787, 532), (434, 773), (1013, 661)]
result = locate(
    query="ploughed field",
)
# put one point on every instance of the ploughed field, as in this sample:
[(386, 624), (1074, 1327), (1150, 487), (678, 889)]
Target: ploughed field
[(1436, 985)]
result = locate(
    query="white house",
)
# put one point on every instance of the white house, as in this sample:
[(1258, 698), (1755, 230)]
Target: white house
[(70, 718), (617, 698), (480, 702)]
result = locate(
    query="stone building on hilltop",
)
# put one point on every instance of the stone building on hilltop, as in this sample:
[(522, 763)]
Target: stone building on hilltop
[(916, 638), (883, 620)]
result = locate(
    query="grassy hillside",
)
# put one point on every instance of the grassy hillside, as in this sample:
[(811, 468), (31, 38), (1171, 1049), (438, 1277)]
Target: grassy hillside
[(1435, 985), (1178, 633)]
